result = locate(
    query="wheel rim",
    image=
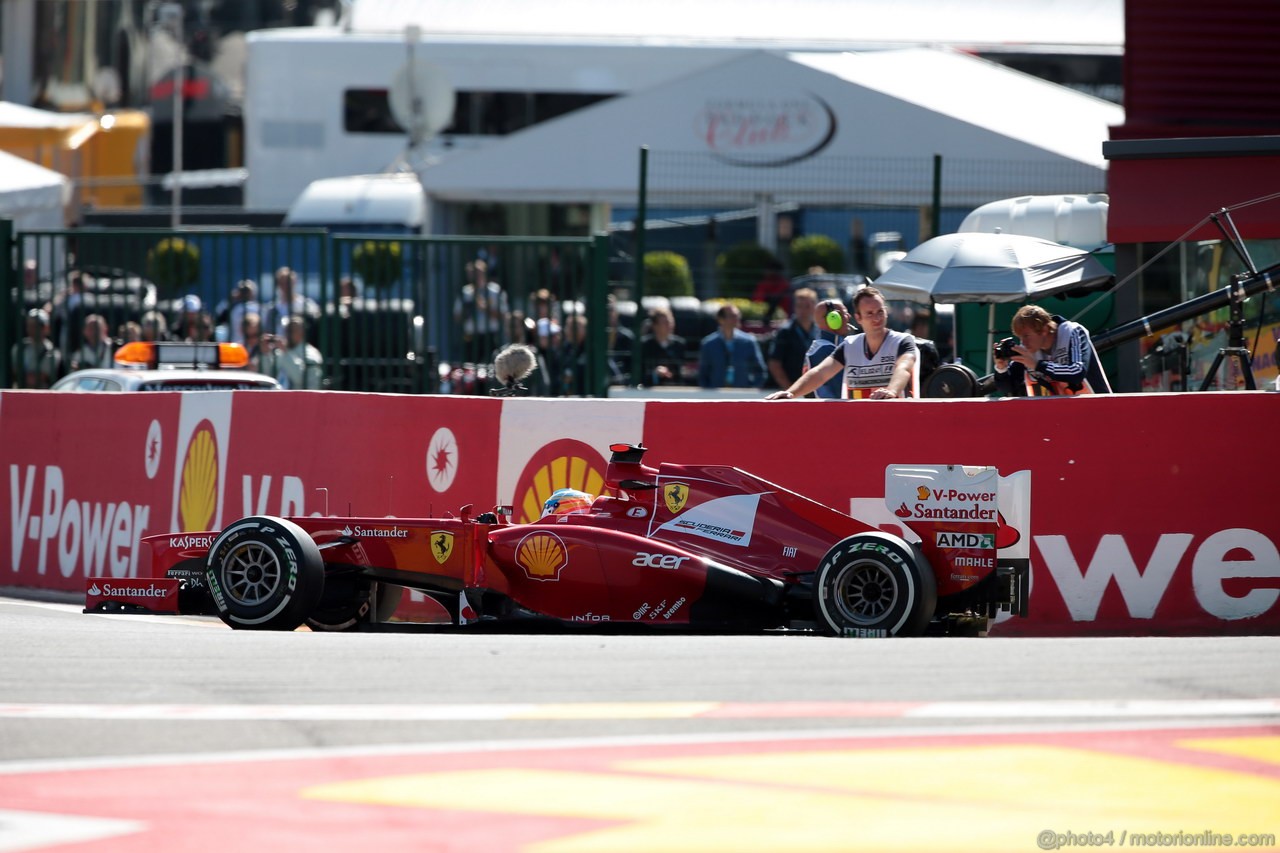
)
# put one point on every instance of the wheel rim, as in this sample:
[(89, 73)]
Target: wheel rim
[(865, 592), (251, 574)]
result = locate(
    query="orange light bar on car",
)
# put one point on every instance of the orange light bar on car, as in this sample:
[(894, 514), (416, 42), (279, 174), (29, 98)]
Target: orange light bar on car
[(135, 354), (152, 354), (233, 355)]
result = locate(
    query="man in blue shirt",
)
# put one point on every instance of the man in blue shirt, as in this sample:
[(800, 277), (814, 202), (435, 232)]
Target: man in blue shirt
[(825, 343), (730, 358)]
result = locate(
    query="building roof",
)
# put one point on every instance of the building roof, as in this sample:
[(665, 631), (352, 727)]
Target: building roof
[(797, 24), (32, 195), (835, 122)]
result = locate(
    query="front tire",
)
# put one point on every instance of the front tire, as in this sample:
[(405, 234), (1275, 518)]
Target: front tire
[(264, 573), (349, 603), (874, 585)]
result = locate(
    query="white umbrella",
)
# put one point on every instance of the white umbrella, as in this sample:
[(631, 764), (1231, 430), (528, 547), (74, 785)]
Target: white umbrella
[(979, 267), (990, 268)]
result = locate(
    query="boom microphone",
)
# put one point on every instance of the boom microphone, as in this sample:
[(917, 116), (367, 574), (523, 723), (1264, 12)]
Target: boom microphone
[(512, 365)]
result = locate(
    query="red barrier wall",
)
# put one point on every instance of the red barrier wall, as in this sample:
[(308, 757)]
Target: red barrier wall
[(1149, 512)]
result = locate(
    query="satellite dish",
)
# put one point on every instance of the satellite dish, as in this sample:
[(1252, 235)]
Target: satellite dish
[(421, 99)]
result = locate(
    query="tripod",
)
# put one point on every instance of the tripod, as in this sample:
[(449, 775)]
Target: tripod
[(1235, 347)]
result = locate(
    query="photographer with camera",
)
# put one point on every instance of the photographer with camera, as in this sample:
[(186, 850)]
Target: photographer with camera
[(1055, 357)]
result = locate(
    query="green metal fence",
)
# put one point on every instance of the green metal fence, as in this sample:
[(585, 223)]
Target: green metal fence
[(397, 314)]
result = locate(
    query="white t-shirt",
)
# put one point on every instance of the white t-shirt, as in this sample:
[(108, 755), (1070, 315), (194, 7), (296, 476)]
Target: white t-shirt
[(864, 372)]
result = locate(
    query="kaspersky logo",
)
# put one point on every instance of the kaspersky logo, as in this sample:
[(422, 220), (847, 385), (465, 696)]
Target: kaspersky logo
[(542, 556), (198, 493)]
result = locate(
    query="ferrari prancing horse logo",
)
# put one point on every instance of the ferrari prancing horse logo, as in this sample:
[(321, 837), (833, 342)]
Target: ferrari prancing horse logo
[(675, 494), (441, 545)]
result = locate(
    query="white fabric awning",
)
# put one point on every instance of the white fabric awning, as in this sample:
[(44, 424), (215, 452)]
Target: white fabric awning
[(31, 195), (802, 126)]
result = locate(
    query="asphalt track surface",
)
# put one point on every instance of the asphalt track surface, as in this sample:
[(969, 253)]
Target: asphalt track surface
[(176, 733)]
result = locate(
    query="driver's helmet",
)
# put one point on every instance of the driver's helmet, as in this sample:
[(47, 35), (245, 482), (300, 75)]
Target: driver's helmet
[(567, 502)]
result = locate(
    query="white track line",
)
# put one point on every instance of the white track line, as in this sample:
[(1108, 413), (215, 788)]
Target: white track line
[(1070, 709), (608, 742)]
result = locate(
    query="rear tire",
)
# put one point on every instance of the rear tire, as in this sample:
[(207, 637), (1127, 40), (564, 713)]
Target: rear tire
[(264, 573), (874, 585)]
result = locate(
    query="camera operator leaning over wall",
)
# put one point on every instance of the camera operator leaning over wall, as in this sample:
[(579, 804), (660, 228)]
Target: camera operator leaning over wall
[(1056, 357), (877, 364)]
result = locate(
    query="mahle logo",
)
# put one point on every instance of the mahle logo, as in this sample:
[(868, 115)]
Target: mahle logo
[(960, 539), (198, 498)]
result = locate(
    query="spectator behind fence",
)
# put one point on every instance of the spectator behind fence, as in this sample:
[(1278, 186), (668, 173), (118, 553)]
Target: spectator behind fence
[(573, 357), (201, 329), (792, 341), (251, 334), (773, 289), (293, 361), (154, 327), (730, 358), (549, 342), (184, 328), (129, 331), (96, 348), (620, 343), (37, 363), (478, 312), (68, 310), (244, 299), (662, 350), (288, 303)]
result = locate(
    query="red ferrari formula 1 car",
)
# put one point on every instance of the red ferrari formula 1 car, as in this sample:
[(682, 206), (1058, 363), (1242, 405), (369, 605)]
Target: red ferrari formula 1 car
[(693, 547)]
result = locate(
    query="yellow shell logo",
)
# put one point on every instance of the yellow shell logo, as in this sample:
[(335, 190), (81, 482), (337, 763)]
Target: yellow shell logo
[(542, 556), (441, 545), (675, 494), (563, 464), (198, 498)]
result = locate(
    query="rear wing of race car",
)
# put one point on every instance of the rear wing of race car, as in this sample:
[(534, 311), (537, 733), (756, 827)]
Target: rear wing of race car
[(972, 524)]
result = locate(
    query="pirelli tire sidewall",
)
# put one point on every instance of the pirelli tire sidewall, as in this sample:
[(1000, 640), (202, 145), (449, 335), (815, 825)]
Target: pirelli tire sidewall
[(280, 604), (905, 591)]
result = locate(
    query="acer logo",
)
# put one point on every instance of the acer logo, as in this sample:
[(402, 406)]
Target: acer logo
[(658, 561), (1236, 554)]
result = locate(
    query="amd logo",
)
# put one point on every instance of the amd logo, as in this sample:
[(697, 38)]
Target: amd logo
[(961, 539)]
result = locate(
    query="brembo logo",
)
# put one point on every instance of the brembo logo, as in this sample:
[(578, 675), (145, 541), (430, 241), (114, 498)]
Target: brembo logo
[(376, 532)]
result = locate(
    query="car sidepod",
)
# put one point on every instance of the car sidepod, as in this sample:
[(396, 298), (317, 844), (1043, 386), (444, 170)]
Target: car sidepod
[(582, 574)]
